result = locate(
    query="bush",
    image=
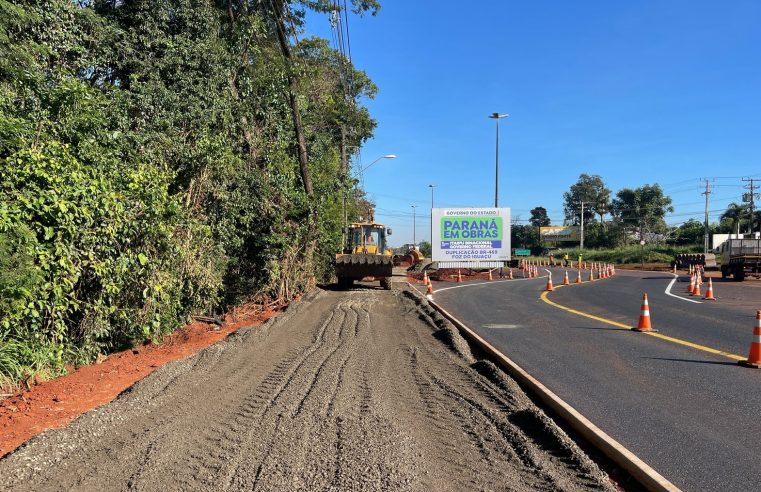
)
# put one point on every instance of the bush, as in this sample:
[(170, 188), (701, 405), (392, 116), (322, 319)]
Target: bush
[(629, 254), (105, 258)]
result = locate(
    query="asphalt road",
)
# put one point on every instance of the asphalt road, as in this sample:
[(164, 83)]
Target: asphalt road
[(691, 414)]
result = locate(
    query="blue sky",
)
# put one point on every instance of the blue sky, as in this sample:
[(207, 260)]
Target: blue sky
[(637, 92)]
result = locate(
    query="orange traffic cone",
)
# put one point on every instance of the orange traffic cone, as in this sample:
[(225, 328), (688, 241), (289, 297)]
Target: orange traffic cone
[(691, 287), (644, 317), (565, 279), (459, 276), (429, 291), (709, 293), (510, 275), (578, 277), (591, 274), (490, 275), (696, 290), (549, 283), (425, 279), (674, 269), (754, 357)]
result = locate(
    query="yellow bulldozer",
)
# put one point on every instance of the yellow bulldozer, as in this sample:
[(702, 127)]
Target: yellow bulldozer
[(365, 255)]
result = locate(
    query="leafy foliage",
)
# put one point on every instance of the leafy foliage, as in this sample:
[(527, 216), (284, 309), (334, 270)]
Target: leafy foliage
[(644, 207), (539, 217), (151, 169), (592, 192)]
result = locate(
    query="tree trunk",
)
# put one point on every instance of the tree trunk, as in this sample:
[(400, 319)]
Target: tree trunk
[(294, 102)]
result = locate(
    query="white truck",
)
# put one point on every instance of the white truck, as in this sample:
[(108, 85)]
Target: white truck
[(741, 257)]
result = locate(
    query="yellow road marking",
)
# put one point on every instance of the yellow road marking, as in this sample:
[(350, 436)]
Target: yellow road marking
[(667, 338), (580, 313)]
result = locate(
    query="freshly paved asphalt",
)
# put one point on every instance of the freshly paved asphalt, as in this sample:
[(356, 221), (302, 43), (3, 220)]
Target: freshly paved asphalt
[(692, 415)]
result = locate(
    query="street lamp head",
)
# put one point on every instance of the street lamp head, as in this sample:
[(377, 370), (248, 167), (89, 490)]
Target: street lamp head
[(432, 186), (387, 156), (497, 116)]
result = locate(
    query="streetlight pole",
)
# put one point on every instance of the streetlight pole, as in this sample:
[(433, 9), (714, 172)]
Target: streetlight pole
[(361, 177), (414, 228), (497, 117), (432, 186), (581, 244)]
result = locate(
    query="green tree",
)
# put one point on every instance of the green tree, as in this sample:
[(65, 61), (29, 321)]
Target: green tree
[(154, 160), (691, 232), (734, 217), (591, 191), (539, 217), (643, 208), (425, 249), (524, 236)]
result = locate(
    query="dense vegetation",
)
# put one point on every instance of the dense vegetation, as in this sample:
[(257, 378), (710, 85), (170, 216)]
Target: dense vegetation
[(615, 226), (162, 159)]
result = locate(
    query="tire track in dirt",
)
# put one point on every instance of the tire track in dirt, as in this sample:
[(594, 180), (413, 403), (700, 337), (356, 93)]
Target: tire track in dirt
[(358, 390)]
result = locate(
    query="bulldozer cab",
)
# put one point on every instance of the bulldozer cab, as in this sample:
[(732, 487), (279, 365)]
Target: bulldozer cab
[(365, 255), (366, 238)]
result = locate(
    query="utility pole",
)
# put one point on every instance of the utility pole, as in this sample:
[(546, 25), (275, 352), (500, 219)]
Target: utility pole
[(707, 192), (751, 197), (581, 245), (497, 117), (344, 176), (414, 229)]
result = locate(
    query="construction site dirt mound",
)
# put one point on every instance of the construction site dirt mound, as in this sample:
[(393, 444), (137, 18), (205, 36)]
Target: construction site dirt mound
[(345, 391)]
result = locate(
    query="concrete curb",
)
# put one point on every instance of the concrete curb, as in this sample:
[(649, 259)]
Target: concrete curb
[(641, 471)]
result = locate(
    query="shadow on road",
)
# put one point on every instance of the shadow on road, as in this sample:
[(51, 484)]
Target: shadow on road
[(693, 361), (337, 288)]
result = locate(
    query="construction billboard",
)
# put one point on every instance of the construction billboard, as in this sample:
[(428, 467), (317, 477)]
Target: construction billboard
[(559, 234), (476, 237)]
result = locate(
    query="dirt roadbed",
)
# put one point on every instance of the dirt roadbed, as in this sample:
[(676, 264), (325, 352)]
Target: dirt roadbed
[(359, 390)]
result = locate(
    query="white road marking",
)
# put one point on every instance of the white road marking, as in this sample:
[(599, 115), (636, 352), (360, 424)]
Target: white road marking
[(497, 326), (671, 284)]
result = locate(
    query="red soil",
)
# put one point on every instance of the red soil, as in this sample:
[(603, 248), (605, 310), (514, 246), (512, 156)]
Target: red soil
[(55, 403)]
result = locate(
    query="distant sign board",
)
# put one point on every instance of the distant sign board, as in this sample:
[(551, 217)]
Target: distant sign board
[(522, 252), (559, 234), (471, 234)]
